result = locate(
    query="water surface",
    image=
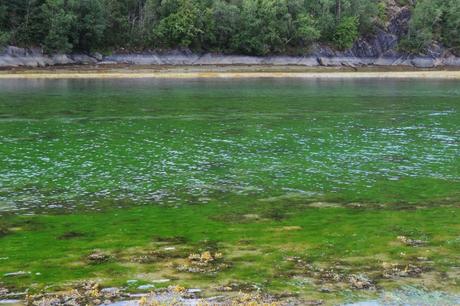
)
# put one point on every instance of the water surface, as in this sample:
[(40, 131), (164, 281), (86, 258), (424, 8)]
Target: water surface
[(88, 143)]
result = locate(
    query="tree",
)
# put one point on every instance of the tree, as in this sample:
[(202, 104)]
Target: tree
[(59, 23), (180, 27), (255, 27), (346, 33), (306, 30), (226, 21), (451, 25), (4, 31), (264, 27), (89, 23), (425, 18)]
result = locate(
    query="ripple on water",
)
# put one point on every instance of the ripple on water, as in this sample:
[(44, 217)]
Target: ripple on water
[(257, 143)]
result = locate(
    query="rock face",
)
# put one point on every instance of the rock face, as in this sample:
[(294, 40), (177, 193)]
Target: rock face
[(380, 49), (362, 54)]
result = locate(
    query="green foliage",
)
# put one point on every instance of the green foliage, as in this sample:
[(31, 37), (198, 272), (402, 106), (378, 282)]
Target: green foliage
[(306, 29), (426, 15), (181, 26), (382, 11), (88, 28), (4, 38), (263, 27), (59, 23), (243, 26), (346, 33), (451, 25), (226, 21), (433, 20)]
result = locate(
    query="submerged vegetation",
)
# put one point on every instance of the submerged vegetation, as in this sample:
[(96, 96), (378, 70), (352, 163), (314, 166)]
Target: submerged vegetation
[(320, 253), (299, 190), (236, 26)]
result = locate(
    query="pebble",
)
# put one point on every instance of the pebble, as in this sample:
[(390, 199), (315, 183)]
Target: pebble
[(110, 290), (19, 273), (146, 287)]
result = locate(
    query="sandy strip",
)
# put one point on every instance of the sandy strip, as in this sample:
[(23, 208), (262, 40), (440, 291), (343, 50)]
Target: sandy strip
[(454, 75)]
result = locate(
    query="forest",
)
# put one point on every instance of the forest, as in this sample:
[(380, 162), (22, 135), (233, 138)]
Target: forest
[(254, 27)]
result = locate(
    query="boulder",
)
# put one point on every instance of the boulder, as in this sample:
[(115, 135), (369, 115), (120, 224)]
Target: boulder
[(424, 62), (15, 51), (97, 56), (61, 59), (83, 59), (451, 61), (8, 61)]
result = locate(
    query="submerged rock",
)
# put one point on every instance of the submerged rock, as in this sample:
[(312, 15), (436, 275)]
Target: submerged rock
[(146, 287), (361, 282), (19, 273), (88, 293), (396, 270), (411, 242), (3, 292), (98, 257), (206, 262)]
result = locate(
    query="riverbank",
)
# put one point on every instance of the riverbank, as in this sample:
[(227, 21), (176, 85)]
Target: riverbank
[(225, 71), (13, 57)]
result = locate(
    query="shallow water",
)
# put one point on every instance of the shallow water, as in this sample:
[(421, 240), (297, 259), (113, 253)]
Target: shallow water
[(94, 143)]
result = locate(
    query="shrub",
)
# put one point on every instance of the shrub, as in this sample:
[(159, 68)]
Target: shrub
[(4, 38), (346, 33)]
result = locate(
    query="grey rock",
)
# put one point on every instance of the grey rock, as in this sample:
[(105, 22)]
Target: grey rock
[(378, 51), (97, 56), (83, 59), (61, 59), (309, 61), (385, 61), (8, 62), (345, 61), (423, 62), (451, 61), (134, 59), (15, 51), (211, 59), (181, 59), (399, 24)]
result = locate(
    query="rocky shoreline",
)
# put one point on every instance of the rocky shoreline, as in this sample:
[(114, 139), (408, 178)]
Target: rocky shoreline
[(12, 57)]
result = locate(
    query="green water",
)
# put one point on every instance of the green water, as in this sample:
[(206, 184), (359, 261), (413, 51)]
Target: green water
[(331, 172), (80, 142)]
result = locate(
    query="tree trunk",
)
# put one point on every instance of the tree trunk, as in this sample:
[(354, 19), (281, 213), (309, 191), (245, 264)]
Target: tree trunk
[(338, 10)]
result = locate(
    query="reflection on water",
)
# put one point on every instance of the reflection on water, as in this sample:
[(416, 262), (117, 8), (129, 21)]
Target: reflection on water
[(68, 142)]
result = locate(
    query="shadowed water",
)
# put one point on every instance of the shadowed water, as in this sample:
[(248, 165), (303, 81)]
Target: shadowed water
[(104, 142)]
